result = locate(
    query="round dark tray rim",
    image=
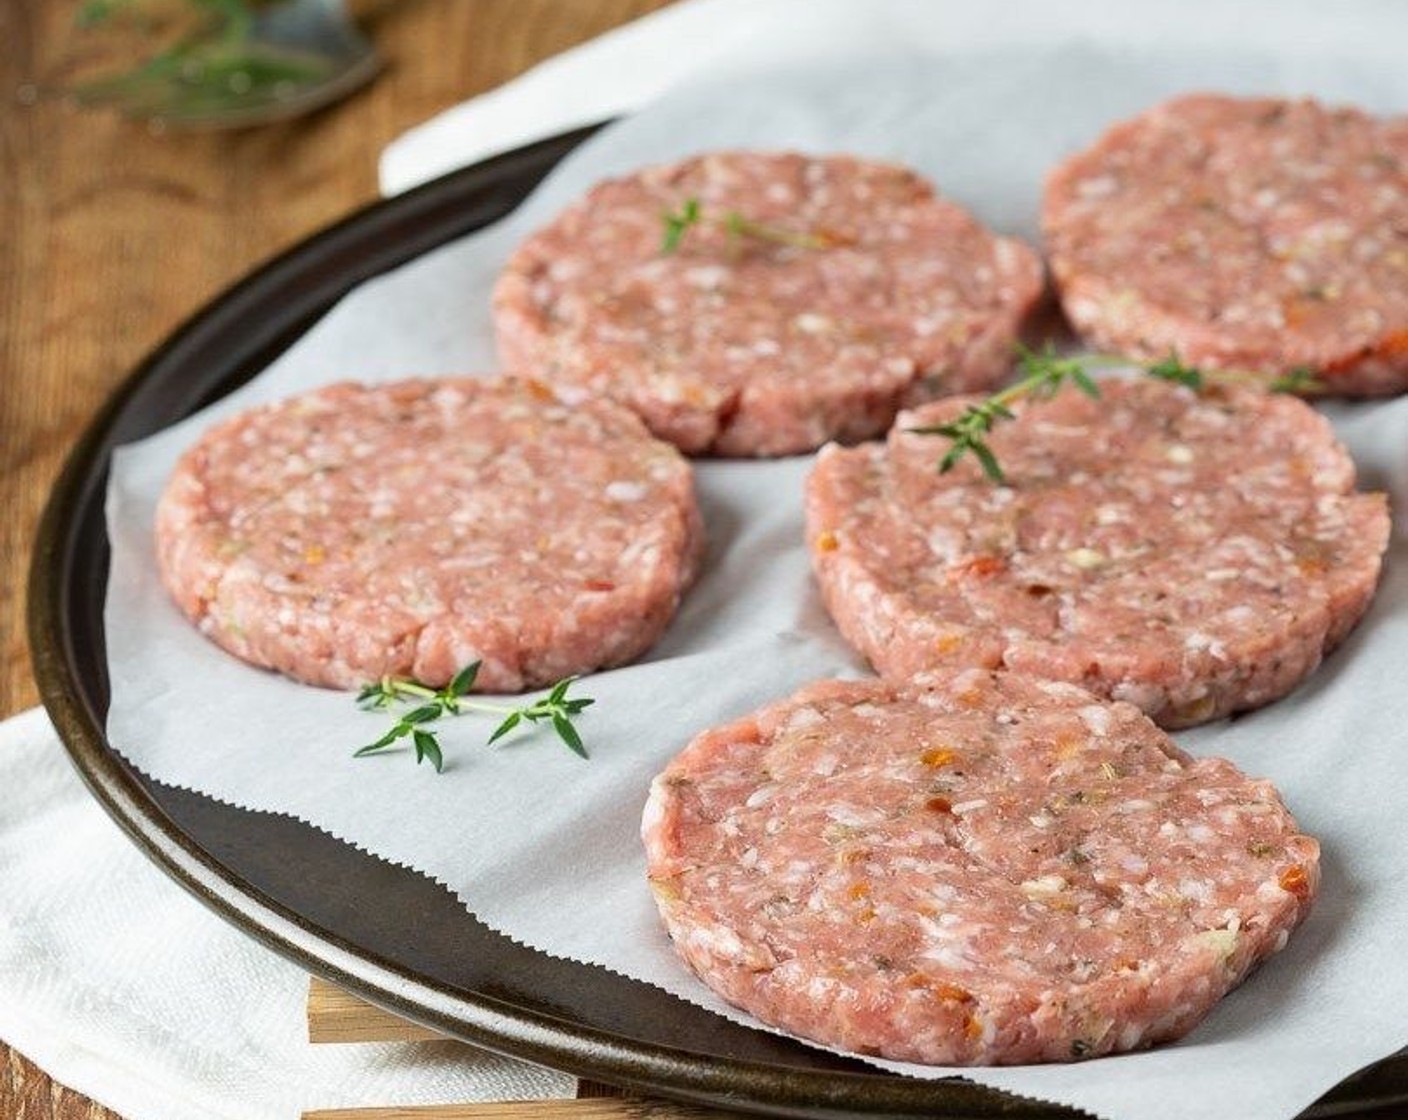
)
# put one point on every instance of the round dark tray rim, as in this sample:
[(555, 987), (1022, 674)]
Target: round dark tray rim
[(483, 1020)]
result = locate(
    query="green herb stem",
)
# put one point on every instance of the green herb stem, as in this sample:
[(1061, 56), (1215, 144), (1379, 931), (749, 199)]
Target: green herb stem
[(677, 223), (556, 708), (1046, 372), (1172, 368)]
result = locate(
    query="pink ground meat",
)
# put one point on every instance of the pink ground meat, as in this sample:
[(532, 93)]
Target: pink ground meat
[(971, 868), (1194, 555), (1249, 233), (412, 528), (742, 345)]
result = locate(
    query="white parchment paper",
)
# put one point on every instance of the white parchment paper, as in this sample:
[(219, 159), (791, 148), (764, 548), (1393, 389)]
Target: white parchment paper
[(543, 845)]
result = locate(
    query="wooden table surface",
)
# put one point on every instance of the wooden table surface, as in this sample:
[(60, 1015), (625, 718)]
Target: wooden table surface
[(112, 234)]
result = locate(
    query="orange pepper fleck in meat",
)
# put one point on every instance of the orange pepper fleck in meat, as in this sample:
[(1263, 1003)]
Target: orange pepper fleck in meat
[(1295, 881)]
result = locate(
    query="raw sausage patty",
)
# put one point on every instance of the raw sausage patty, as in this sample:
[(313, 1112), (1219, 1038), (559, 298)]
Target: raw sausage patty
[(1195, 555), (970, 869), (414, 527), (741, 343), (1246, 233)]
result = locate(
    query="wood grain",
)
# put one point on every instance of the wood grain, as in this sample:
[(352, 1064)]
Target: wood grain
[(111, 234), (338, 1016)]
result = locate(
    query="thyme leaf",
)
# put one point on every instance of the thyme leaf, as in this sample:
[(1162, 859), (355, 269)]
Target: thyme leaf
[(1172, 369), (677, 223), (504, 728), (428, 747), (430, 704)]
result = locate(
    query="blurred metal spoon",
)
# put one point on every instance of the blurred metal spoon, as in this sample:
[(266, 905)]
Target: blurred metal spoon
[(267, 63)]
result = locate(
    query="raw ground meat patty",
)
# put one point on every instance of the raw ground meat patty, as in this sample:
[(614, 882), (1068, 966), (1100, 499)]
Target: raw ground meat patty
[(414, 527), (1194, 555), (736, 344), (1246, 233), (969, 869)]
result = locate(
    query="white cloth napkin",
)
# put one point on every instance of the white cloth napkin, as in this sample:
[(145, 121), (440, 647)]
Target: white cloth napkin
[(119, 984)]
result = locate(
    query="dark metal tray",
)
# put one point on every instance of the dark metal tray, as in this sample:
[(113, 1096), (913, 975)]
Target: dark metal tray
[(388, 934)]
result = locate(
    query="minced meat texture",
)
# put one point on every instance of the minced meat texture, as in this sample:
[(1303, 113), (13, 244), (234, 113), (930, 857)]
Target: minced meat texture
[(411, 528), (863, 292), (970, 868), (1194, 554), (1242, 233)]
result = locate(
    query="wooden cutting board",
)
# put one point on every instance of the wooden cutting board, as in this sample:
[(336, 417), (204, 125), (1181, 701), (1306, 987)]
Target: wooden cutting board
[(335, 1016)]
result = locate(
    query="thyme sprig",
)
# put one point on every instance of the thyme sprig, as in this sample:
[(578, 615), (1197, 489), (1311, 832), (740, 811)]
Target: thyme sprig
[(1046, 371), (556, 708), (1172, 368), (677, 223), (220, 61), (1300, 380)]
